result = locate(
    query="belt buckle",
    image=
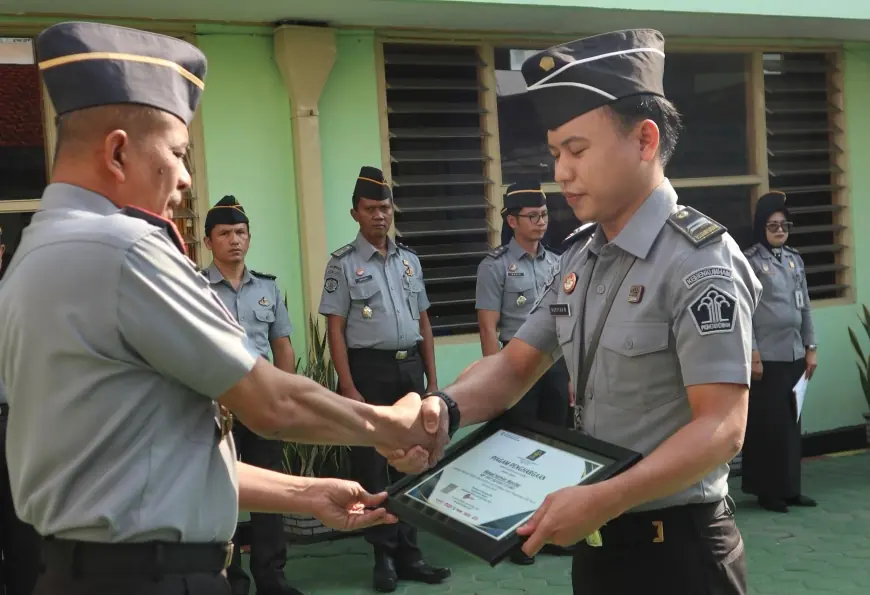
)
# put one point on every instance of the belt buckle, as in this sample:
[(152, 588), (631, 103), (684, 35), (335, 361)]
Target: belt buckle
[(400, 355), (229, 557)]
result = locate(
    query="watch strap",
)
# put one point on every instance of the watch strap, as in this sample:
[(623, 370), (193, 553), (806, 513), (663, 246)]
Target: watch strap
[(452, 410)]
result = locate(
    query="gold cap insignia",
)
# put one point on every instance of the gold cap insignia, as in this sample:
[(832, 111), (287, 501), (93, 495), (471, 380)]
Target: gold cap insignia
[(547, 63)]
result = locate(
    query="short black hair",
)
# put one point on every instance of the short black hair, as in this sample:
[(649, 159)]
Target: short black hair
[(629, 111), (87, 124)]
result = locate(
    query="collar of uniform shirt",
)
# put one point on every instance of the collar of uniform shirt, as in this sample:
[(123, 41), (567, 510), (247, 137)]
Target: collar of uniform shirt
[(366, 250), (643, 228), (215, 275), (517, 251), (66, 196)]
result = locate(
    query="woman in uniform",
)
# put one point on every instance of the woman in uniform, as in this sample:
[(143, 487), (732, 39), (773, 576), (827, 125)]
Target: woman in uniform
[(783, 349)]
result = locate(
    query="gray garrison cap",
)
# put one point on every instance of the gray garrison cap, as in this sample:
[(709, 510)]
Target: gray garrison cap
[(91, 64), (566, 81)]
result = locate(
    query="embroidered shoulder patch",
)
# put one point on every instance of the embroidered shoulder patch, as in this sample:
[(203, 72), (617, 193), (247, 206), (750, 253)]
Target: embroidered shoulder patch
[(264, 275), (711, 272), (714, 311), (330, 285), (344, 251), (695, 226), (497, 252)]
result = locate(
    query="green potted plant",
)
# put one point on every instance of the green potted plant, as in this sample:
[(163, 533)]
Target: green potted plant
[(314, 460), (863, 363)]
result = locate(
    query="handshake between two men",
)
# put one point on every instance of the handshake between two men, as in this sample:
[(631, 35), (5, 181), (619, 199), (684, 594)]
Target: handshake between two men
[(411, 434)]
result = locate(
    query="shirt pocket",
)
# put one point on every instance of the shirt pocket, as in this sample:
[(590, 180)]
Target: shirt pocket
[(362, 295), (413, 287), (641, 367), (516, 287)]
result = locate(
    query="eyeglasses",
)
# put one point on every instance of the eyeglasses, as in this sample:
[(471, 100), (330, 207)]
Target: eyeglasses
[(776, 225), (535, 217)]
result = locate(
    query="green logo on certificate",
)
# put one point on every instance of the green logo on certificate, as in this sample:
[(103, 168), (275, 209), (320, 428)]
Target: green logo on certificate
[(536, 455)]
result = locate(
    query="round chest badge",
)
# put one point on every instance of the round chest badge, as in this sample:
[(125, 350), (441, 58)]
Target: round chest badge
[(570, 283), (360, 272), (512, 268)]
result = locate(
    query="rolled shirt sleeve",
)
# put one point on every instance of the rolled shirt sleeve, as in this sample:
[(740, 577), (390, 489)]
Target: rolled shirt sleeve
[(170, 316), (713, 319), (422, 297)]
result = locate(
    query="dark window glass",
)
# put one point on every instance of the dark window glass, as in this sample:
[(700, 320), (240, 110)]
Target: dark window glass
[(12, 224), (729, 205), (709, 90), (22, 140)]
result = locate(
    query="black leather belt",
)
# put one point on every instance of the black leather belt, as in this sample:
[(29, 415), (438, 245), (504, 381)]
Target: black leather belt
[(4, 409), (654, 526), (136, 559), (398, 355)]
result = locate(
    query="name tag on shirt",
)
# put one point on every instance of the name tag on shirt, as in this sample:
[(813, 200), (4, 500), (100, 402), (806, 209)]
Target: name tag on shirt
[(799, 298), (560, 309), (364, 279)]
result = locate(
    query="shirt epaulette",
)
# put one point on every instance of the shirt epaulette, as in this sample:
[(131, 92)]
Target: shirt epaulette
[(584, 231), (344, 251), (751, 251), (792, 250), (264, 275), (696, 227), (404, 247), (497, 252)]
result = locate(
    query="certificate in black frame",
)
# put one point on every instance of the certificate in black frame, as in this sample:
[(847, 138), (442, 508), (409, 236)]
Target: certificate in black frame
[(491, 550)]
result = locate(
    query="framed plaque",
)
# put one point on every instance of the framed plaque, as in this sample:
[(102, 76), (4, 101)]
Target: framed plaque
[(492, 481)]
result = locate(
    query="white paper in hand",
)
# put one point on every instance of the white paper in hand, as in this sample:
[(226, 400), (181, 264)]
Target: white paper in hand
[(799, 392)]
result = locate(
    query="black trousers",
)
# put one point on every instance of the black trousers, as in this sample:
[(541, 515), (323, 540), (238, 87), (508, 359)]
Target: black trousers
[(771, 465), (548, 400), (701, 553), (112, 569), (268, 540), (20, 544), (382, 380)]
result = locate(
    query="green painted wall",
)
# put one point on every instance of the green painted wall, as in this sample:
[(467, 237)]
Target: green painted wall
[(249, 154), (793, 8)]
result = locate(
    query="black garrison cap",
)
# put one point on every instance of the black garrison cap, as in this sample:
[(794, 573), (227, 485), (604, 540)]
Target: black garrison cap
[(90, 64), (566, 81), (521, 194), (525, 193), (227, 211), (371, 184)]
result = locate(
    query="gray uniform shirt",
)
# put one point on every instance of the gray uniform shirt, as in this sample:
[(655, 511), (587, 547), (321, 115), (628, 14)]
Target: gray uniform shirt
[(257, 305), (783, 324), (381, 298), (509, 281), (683, 316), (116, 349)]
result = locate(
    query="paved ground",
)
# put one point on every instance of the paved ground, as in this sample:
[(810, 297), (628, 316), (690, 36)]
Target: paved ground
[(808, 551)]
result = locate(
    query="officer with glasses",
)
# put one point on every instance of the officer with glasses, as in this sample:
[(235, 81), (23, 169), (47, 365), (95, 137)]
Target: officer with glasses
[(783, 349)]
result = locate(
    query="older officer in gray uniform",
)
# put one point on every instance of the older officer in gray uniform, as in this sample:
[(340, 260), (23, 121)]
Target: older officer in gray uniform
[(19, 543), (380, 340), (783, 349), (652, 309), (119, 358), (255, 301)]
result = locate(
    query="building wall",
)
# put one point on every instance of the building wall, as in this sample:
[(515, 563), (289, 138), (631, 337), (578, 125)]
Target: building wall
[(249, 154)]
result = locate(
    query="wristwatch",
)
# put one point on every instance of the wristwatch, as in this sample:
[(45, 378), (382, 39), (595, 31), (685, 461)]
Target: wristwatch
[(452, 410), (812, 347)]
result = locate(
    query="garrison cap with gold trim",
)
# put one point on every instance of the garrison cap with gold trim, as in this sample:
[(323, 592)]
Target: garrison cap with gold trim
[(227, 211), (371, 184), (525, 193), (91, 64), (566, 81)]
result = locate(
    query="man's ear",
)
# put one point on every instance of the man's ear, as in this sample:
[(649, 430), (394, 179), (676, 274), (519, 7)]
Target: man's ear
[(649, 139), (207, 241), (355, 215), (116, 147)]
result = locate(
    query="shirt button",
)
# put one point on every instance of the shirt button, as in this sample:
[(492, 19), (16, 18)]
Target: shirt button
[(629, 344), (600, 289)]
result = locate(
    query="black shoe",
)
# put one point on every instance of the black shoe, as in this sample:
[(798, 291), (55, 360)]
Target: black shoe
[(520, 558), (421, 571), (384, 578), (801, 501), (773, 504)]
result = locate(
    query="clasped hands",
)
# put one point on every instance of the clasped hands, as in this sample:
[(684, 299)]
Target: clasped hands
[(416, 433)]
